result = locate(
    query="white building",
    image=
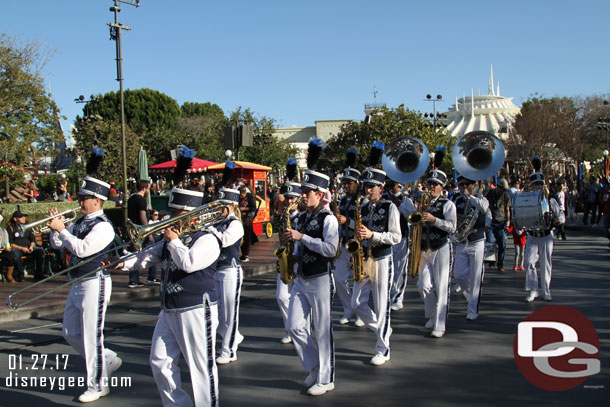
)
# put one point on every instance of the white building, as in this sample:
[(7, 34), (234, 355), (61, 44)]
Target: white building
[(490, 112), (299, 136)]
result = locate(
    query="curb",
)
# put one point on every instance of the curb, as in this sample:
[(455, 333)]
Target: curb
[(118, 297)]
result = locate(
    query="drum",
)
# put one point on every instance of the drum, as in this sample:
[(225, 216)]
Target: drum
[(531, 210)]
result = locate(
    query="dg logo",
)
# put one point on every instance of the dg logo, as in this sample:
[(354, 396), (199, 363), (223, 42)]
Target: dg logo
[(171, 197), (306, 178), (83, 184), (369, 175), (346, 173), (289, 188), (221, 194)]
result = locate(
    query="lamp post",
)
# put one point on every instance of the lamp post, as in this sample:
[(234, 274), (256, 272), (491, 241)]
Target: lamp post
[(606, 163), (435, 116), (115, 34)]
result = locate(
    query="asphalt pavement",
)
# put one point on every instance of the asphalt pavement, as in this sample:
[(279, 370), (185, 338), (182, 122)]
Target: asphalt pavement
[(473, 364)]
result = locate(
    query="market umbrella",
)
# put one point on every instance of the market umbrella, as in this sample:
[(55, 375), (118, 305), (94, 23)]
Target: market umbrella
[(143, 170)]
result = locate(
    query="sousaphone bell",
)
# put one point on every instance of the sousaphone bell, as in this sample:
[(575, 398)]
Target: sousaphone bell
[(478, 155), (405, 159)]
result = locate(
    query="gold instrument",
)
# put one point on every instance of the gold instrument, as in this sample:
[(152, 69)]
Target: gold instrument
[(285, 259), (197, 219), (416, 220), (40, 226), (354, 246)]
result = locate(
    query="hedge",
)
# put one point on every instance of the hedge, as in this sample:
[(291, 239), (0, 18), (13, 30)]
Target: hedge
[(40, 210)]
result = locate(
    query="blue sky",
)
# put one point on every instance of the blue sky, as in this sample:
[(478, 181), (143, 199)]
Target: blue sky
[(301, 61)]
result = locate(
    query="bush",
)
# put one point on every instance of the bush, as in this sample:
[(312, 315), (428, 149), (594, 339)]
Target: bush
[(40, 210), (49, 183)]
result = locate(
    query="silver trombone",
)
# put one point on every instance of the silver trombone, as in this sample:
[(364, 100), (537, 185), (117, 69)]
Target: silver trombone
[(40, 226), (199, 218)]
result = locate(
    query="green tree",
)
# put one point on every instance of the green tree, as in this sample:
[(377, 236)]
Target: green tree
[(28, 115), (145, 109), (385, 125), (552, 128), (208, 109), (93, 130), (268, 149)]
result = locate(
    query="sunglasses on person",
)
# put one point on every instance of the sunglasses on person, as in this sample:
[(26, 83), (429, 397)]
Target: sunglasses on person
[(84, 197)]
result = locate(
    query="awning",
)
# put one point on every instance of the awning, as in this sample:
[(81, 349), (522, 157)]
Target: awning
[(168, 167), (241, 164)]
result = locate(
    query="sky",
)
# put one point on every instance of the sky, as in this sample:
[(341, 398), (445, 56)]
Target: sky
[(302, 61)]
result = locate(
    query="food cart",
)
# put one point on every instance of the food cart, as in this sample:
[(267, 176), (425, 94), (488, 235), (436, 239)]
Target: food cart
[(256, 175)]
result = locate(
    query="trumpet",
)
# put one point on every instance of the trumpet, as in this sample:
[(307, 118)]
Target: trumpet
[(40, 226), (197, 219)]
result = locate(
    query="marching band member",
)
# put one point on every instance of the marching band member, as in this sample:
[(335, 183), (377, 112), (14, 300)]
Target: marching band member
[(539, 244), (469, 254), (400, 251), (380, 230), (291, 192), (316, 241), (347, 206), (229, 274), (189, 312), (85, 311), (439, 222)]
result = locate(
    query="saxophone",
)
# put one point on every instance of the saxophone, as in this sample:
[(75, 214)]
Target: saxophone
[(285, 259), (354, 246), (416, 220)]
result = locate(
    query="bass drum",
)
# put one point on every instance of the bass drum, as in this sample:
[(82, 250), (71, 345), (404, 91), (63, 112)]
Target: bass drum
[(531, 210)]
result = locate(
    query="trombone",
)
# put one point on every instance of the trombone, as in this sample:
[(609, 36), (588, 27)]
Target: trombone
[(197, 219), (40, 226)]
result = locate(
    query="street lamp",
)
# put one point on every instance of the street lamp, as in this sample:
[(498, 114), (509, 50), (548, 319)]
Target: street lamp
[(115, 34), (606, 163), (435, 116)]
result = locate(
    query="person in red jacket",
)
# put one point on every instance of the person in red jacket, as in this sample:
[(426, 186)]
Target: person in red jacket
[(519, 239)]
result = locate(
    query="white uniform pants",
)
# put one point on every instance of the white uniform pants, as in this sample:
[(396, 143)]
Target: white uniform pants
[(468, 270), (282, 295), (539, 248), (228, 289), (433, 284), (400, 256), (379, 284), (312, 298), (342, 273), (191, 334), (83, 327)]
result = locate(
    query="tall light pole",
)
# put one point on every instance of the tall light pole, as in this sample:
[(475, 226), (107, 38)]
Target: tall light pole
[(434, 115), (115, 34)]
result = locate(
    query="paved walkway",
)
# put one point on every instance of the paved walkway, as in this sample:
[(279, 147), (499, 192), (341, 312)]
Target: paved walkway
[(261, 261)]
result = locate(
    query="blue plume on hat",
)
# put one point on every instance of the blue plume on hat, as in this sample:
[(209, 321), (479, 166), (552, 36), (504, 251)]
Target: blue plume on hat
[(536, 162), (376, 153), (227, 173), (183, 163), (291, 169), (313, 152), (94, 161), (439, 154), (350, 157)]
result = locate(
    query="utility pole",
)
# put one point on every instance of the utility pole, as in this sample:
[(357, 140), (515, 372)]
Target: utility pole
[(115, 34)]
